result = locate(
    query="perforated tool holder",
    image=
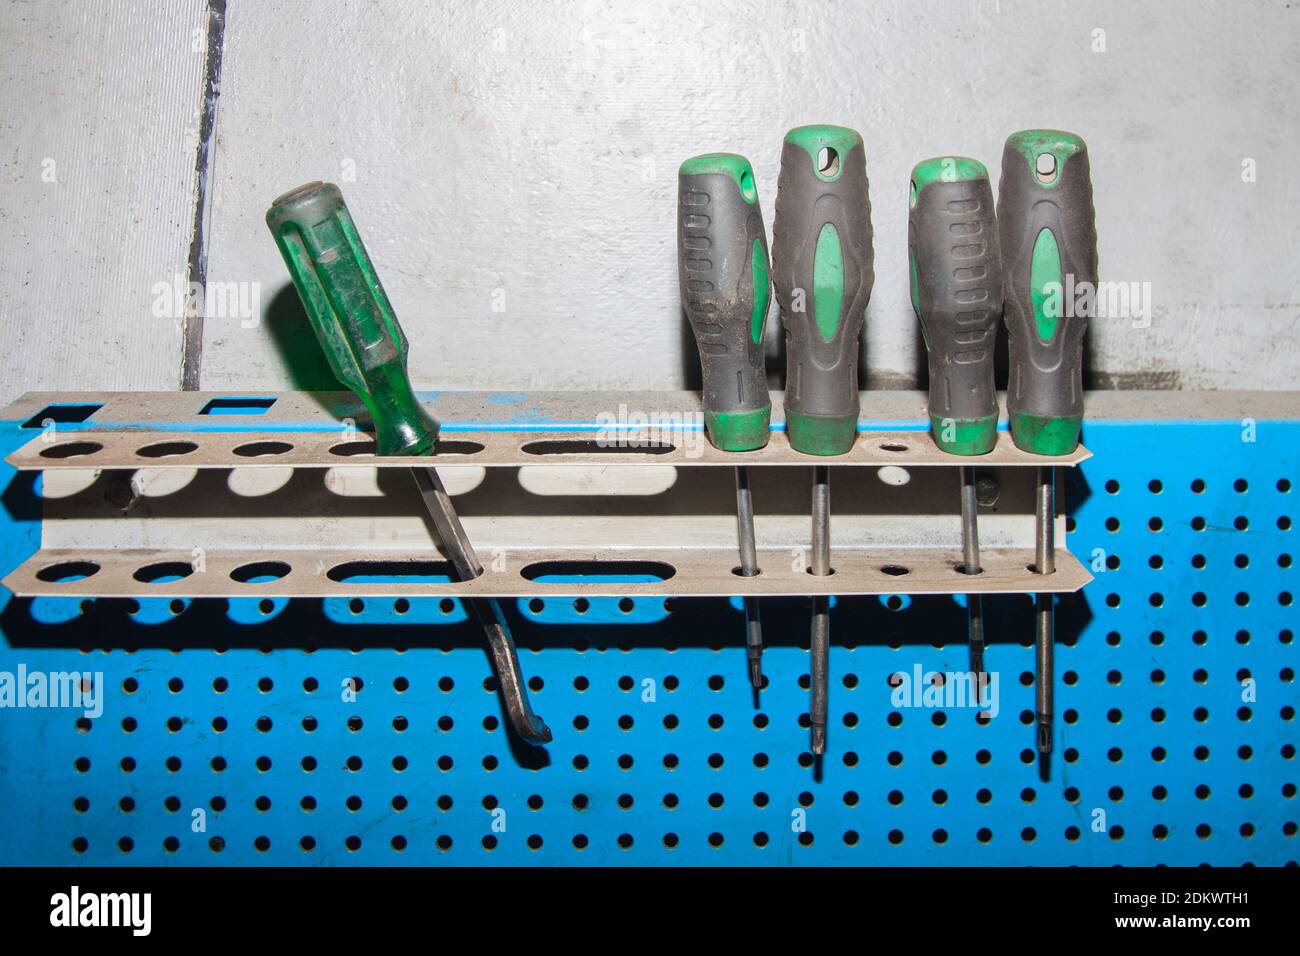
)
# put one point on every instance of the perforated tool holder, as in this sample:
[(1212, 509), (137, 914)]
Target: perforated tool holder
[(287, 675)]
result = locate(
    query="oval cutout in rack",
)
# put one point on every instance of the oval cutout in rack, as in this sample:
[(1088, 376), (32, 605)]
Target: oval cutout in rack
[(66, 571), (260, 572), (354, 448), (590, 446), (263, 449), (163, 572), (71, 449), (167, 449), (620, 572), (391, 572)]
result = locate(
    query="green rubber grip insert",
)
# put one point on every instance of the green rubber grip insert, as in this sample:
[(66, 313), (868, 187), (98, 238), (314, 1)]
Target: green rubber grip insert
[(722, 268), (350, 313), (1048, 235), (823, 271), (955, 278)]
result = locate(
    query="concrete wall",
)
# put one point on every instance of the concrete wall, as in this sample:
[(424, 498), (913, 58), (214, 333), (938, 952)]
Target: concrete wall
[(512, 167)]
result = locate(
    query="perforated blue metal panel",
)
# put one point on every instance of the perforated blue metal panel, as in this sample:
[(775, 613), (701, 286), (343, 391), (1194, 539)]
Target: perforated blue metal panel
[(660, 756)]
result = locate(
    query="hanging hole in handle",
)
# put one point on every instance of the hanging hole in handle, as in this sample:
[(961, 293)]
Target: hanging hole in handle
[(828, 162), (747, 186), (1045, 167)]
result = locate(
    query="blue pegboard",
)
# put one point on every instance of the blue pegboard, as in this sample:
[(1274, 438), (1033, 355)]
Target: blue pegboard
[(291, 744)]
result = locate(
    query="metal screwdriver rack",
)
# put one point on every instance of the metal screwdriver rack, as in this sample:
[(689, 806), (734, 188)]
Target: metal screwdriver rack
[(228, 562), (143, 431)]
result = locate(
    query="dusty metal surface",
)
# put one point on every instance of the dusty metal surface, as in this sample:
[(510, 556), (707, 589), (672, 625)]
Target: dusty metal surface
[(67, 572), (320, 430), (681, 447)]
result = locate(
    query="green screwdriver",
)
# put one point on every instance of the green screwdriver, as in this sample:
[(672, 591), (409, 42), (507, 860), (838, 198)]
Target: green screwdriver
[(822, 269), (723, 274), (358, 330), (955, 265), (1049, 250)]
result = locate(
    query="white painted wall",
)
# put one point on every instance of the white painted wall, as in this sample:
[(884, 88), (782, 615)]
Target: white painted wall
[(98, 130), (529, 150)]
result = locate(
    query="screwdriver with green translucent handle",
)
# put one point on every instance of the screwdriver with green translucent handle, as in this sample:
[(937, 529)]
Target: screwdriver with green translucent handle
[(723, 274), (1049, 251), (358, 330), (822, 267), (955, 267)]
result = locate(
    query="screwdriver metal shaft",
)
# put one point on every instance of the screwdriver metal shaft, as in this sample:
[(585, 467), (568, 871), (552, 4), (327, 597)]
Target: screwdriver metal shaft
[(970, 546), (749, 568), (488, 611), (820, 631), (1045, 563)]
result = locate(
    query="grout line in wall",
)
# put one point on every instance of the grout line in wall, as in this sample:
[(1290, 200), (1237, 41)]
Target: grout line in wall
[(192, 330)]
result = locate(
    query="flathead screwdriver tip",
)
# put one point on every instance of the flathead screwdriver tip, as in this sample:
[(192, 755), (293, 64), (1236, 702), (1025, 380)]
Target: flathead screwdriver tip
[(756, 673), (819, 739), (1044, 736)]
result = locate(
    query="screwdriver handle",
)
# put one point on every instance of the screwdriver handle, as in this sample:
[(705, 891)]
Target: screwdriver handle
[(1049, 255), (350, 313), (822, 267), (722, 268), (955, 266)]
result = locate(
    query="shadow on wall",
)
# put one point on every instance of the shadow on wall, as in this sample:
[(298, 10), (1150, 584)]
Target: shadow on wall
[(295, 343)]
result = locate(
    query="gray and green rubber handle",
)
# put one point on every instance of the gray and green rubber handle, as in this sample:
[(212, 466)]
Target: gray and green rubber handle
[(722, 268), (955, 267), (822, 268), (1049, 249), (350, 313)]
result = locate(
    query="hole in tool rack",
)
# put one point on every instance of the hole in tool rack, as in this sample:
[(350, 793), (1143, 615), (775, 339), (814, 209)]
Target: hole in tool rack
[(578, 446), (456, 448), (61, 414), (71, 449), (564, 572), (163, 572), (67, 571), (167, 449), (262, 449), (895, 570), (237, 405), (894, 446), (351, 449), (260, 572), (390, 572)]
